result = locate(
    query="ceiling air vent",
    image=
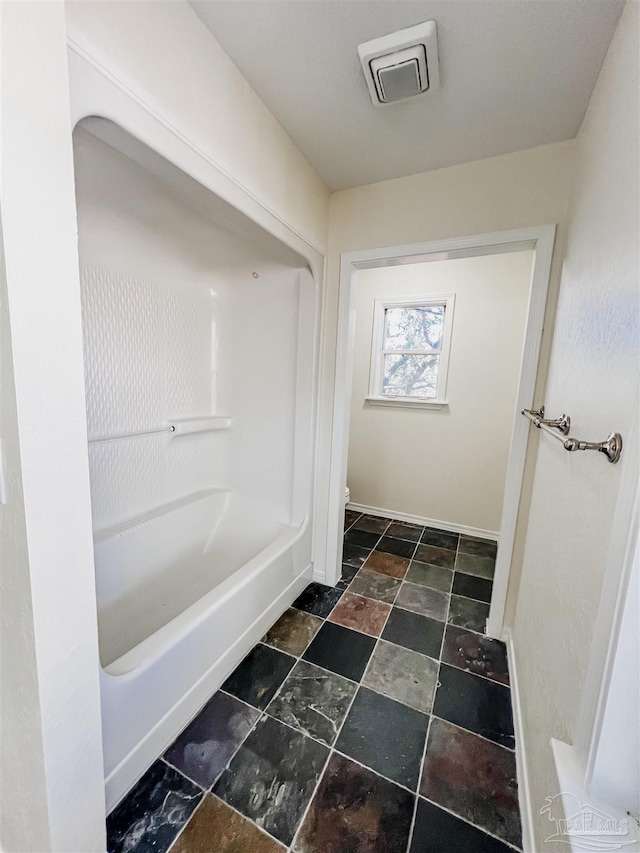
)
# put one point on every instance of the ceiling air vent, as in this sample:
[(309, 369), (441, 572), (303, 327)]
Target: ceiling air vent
[(401, 65)]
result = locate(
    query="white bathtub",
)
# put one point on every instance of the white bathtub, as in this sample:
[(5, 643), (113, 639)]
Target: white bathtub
[(193, 575)]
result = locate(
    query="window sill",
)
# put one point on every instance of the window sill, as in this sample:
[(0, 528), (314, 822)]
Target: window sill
[(406, 402)]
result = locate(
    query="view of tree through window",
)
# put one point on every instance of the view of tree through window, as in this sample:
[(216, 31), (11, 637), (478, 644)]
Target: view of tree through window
[(411, 350)]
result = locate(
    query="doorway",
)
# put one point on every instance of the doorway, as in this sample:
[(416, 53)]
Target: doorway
[(372, 264)]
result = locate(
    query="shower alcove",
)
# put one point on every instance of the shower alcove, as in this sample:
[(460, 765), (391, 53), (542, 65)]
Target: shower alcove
[(199, 337)]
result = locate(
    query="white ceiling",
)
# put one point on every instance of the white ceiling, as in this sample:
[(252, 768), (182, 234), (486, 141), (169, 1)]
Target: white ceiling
[(513, 74)]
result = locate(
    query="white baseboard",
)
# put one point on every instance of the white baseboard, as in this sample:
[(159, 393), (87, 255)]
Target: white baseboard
[(524, 790), (426, 522)]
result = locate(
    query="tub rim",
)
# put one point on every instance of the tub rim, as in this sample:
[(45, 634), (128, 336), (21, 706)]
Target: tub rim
[(147, 652)]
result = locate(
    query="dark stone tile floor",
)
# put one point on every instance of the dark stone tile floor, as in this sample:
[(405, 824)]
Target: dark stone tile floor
[(373, 717)]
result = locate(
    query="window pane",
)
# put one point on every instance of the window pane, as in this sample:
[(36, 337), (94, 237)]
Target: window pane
[(410, 375), (414, 328)]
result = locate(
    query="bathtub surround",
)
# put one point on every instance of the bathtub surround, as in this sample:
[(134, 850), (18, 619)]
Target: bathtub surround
[(353, 735), (201, 479)]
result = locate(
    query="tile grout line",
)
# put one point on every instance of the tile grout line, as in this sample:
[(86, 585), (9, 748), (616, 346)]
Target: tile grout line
[(208, 791), (382, 575), (262, 713), (471, 575), (191, 816), (426, 740), (477, 674), (375, 772), (474, 825), (468, 598), (182, 773), (347, 529), (359, 685), (470, 732), (440, 662), (420, 772), (372, 532), (415, 793), (332, 750), (435, 693), (250, 820)]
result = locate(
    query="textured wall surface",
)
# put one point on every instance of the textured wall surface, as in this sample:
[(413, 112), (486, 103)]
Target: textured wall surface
[(593, 377), (448, 465), (147, 360), (176, 326)]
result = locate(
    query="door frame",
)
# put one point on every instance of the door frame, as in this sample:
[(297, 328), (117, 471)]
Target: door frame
[(537, 238)]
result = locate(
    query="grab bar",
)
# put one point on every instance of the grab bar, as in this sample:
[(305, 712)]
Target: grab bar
[(180, 426), (131, 434), (559, 427)]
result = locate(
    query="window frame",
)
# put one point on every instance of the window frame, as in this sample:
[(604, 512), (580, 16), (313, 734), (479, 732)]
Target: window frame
[(378, 353)]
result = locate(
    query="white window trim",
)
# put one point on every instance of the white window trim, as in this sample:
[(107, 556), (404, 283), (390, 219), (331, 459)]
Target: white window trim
[(376, 369)]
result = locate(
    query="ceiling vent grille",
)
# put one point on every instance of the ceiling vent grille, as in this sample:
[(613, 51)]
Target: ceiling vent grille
[(401, 65)]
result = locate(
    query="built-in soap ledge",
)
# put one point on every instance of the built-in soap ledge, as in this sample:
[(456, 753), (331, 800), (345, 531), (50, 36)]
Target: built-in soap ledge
[(184, 426)]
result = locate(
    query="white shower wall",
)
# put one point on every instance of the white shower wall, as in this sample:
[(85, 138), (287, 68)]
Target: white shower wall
[(156, 372), (181, 320)]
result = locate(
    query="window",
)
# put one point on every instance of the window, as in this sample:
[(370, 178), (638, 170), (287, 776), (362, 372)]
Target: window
[(410, 351)]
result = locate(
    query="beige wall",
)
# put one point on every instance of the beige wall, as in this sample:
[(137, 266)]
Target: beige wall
[(167, 54), (24, 822), (446, 465), (593, 376), (512, 191)]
